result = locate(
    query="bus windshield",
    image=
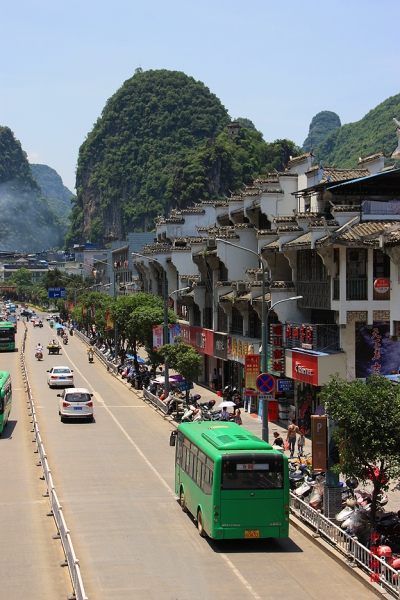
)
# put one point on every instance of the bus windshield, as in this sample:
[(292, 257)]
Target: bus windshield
[(251, 472)]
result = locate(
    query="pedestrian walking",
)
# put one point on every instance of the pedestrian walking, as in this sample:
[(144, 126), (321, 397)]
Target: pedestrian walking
[(214, 379), (291, 436), (300, 444), (237, 418)]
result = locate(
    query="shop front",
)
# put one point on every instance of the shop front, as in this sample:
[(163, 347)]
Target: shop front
[(203, 342), (310, 370), (237, 349), (219, 362)]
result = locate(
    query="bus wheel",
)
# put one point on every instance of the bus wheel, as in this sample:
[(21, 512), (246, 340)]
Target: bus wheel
[(200, 527), (182, 501)]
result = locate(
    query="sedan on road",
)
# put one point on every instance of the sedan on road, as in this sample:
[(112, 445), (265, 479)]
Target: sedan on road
[(75, 403), (60, 377)]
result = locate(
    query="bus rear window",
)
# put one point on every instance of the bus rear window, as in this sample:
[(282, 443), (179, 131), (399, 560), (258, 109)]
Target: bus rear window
[(252, 473)]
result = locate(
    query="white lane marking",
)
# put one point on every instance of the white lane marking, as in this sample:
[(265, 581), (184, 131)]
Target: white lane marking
[(126, 406), (238, 574), (240, 577)]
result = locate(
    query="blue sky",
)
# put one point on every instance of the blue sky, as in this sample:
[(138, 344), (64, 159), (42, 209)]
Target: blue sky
[(277, 63)]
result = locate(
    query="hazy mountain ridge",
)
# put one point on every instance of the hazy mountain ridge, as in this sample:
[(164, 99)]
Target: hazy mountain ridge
[(28, 222)]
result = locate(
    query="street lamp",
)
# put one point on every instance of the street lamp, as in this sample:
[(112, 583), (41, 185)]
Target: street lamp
[(264, 364), (264, 434), (166, 327)]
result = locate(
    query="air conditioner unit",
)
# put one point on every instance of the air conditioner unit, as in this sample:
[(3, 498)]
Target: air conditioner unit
[(241, 287), (259, 276), (211, 243)]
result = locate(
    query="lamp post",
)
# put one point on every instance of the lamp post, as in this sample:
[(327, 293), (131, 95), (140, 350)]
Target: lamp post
[(264, 434), (166, 328), (264, 364)]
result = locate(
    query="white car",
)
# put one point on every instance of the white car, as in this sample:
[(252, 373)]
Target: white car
[(75, 403), (60, 377)]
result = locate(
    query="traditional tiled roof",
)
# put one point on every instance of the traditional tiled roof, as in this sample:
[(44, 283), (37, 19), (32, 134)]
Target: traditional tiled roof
[(370, 158), (263, 232), (238, 211), (331, 174), (303, 241), (273, 191), (285, 220), (223, 216), (272, 246), (364, 234), (244, 226), (299, 159), (253, 271), (346, 208), (289, 228), (322, 223), (281, 285), (254, 207), (393, 239), (193, 277)]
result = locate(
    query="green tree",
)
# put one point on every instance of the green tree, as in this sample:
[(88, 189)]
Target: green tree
[(367, 419), (23, 280), (184, 359)]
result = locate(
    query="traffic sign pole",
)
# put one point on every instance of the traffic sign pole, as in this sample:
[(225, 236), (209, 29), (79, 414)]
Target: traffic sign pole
[(265, 383)]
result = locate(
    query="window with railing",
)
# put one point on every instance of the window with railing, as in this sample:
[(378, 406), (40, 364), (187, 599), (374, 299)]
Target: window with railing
[(207, 318), (196, 316), (254, 325), (237, 321), (356, 274), (381, 268), (222, 320), (313, 281)]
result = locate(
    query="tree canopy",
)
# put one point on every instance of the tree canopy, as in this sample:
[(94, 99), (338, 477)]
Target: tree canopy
[(367, 419)]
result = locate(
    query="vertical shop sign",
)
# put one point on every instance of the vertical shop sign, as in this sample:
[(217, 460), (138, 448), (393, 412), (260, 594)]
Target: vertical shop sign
[(276, 363), (319, 442), (251, 372)]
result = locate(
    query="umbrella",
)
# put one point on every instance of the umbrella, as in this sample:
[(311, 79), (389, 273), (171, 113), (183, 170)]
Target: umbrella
[(226, 403), (139, 358), (58, 326)]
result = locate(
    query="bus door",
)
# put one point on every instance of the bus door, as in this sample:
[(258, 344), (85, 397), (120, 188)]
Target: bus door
[(252, 490)]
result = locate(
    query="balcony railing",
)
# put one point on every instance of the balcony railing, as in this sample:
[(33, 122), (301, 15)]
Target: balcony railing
[(356, 288), (315, 294)]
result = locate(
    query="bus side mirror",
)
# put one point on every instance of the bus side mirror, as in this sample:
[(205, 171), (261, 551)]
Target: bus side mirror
[(172, 438)]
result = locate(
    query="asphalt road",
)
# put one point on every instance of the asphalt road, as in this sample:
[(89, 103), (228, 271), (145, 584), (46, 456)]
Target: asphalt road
[(114, 479)]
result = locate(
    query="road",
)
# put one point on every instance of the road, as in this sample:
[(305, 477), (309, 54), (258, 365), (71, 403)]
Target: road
[(114, 479)]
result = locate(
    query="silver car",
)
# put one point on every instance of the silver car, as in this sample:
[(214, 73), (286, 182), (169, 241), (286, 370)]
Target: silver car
[(60, 377), (75, 403)]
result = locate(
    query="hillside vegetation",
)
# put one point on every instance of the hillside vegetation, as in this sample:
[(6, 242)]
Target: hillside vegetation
[(57, 194), (160, 142), (322, 125), (373, 133), (28, 223)]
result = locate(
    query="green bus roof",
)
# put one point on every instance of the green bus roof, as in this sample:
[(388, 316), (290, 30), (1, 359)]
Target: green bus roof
[(4, 375), (223, 436)]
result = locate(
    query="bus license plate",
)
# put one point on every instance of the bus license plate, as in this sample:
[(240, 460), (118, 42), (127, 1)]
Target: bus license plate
[(252, 533)]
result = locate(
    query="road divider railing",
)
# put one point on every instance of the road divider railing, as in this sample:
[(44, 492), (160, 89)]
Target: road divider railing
[(56, 509), (108, 363), (155, 401), (356, 553)]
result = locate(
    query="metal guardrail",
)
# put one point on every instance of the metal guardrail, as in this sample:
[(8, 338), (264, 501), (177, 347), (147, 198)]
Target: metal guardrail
[(155, 401), (110, 365), (357, 554), (56, 509)]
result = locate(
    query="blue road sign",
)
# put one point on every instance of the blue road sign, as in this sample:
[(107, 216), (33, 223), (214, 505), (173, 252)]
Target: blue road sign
[(56, 293), (265, 383)]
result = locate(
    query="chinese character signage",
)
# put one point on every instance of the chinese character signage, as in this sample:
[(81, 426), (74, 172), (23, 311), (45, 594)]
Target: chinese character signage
[(238, 348), (251, 372), (158, 333), (375, 351), (300, 336), (275, 354)]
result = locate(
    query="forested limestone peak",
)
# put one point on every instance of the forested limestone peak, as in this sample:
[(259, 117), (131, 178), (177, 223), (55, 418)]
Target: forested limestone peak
[(51, 183), (160, 142), (323, 124), (28, 223), (372, 134)]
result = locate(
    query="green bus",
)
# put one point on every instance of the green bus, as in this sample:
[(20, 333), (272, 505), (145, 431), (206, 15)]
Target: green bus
[(7, 336), (5, 398), (234, 484)]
